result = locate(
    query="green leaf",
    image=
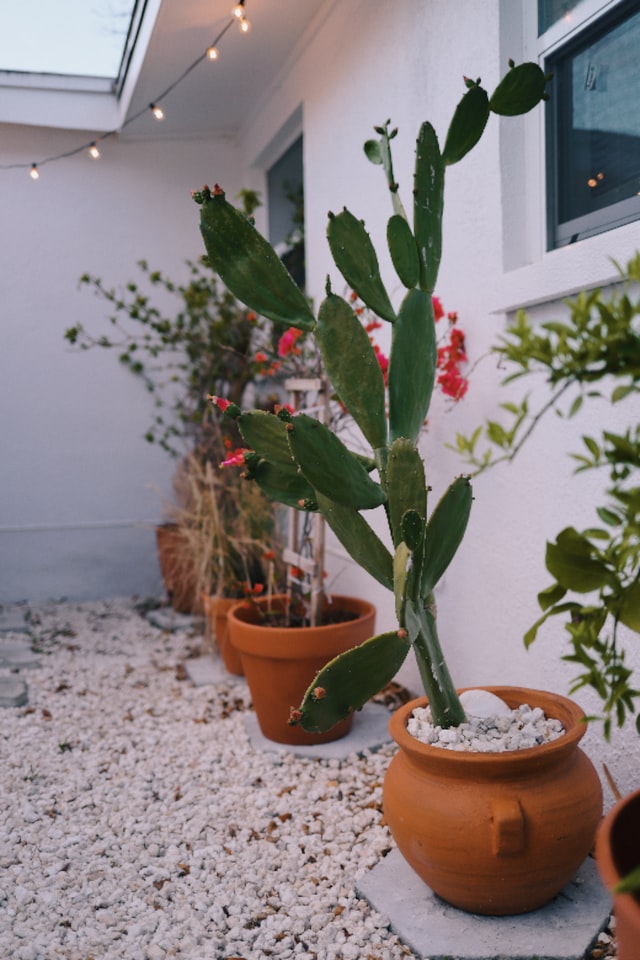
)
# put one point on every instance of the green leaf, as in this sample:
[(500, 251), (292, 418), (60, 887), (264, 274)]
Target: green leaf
[(351, 679), (444, 533), (519, 91), (609, 516), (621, 392), (330, 467), (575, 406), (631, 882), (249, 266), (592, 447), (412, 366), (352, 367), (532, 632), (373, 151), (629, 610), (570, 560), (266, 434), (355, 258), (406, 484), (284, 483), (551, 595), (428, 200), (467, 125), (358, 539), (403, 250), (412, 526)]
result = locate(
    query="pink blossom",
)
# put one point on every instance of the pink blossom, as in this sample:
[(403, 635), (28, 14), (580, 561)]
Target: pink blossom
[(235, 458), (287, 342)]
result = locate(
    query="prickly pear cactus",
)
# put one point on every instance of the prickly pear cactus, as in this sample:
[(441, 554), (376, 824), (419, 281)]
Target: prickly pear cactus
[(300, 462)]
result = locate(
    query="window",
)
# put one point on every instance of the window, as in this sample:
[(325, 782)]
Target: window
[(285, 199), (77, 38), (593, 120)]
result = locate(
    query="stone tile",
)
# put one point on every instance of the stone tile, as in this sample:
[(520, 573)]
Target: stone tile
[(369, 731), (13, 621), (13, 692), (167, 619), (207, 669), (17, 654), (564, 929)]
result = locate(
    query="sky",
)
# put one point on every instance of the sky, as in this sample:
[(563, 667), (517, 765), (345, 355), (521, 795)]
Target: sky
[(79, 37)]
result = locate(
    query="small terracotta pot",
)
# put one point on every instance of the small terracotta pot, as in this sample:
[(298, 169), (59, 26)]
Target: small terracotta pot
[(215, 611), (497, 833), (280, 662), (617, 854), (176, 570)]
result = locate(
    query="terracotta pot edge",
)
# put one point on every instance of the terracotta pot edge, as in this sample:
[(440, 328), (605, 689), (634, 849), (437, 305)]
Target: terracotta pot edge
[(571, 738), (607, 868)]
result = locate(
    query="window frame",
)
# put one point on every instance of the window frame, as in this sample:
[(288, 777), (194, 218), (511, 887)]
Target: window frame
[(591, 19)]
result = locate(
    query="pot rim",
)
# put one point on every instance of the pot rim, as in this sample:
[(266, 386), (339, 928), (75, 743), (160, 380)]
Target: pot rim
[(607, 867), (321, 643), (364, 608), (571, 715)]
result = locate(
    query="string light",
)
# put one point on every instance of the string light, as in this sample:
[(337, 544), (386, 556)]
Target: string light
[(211, 53), (238, 13)]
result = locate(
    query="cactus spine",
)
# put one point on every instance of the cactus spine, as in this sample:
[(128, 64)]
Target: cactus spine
[(301, 463)]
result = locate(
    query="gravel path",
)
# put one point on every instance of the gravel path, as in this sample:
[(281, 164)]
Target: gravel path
[(137, 822)]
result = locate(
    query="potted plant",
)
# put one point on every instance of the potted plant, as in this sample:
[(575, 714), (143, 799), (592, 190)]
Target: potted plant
[(228, 532), (618, 859), (207, 342), (589, 355), (301, 462), (284, 638)]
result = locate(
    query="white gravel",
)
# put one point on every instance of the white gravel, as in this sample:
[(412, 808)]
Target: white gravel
[(136, 821), (517, 729)]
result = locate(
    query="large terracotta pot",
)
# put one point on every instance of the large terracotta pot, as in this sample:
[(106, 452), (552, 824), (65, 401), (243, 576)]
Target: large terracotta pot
[(176, 568), (497, 833), (618, 853), (215, 611), (280, 662)]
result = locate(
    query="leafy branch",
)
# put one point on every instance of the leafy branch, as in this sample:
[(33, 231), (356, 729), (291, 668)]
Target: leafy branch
[(596, 572)]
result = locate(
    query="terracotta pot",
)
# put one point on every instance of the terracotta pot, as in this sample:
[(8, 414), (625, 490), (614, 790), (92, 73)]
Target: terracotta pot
[(280, 662), (176, 569), (215, 611), (497, 833), (618, 853)]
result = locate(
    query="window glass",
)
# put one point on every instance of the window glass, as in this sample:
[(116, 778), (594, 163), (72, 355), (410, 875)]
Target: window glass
[(550, 11), (72, 37), (286, 210), (594, 128)]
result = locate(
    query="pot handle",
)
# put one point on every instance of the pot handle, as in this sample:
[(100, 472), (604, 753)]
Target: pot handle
[(507, 827)]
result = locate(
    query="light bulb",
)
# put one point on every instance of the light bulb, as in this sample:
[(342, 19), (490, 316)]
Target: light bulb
[(94, 153), (213, 53), (238, 10), (34, 174), (157, 111), (245, 26)]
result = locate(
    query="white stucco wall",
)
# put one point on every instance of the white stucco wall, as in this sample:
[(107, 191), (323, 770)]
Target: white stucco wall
[(77, 505), (71, 448)]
